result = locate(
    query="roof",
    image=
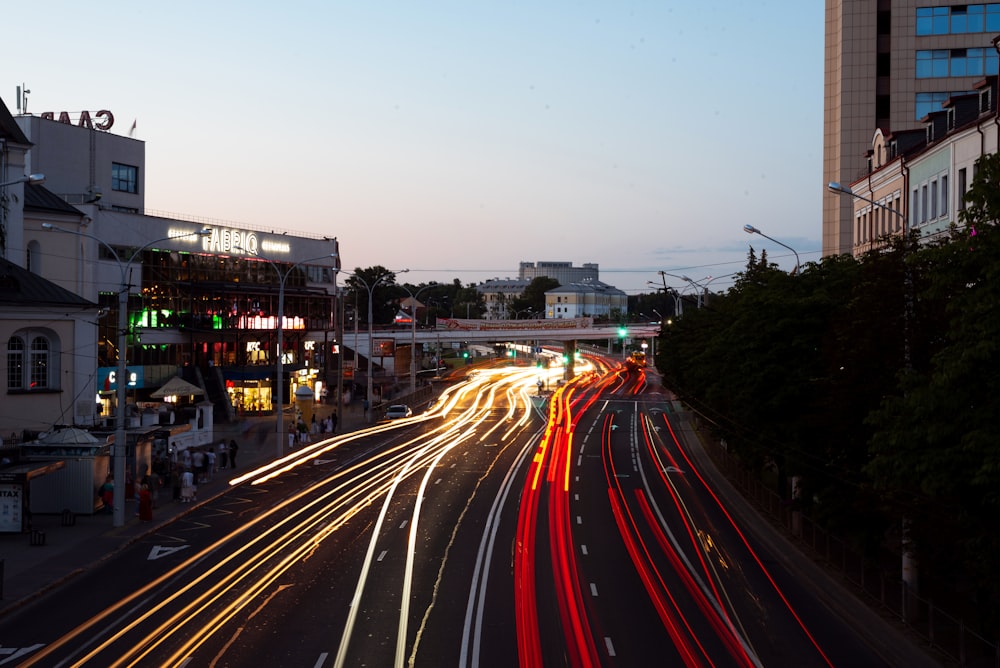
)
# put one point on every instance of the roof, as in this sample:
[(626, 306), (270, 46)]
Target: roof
[(19, 286), (585, 287), (39, 198), (176, 386), (9, 129)]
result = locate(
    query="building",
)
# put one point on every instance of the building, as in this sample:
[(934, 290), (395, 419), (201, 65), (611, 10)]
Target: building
[(585, 299), (918, 177), (888, 65), (564, 272), (205, 299), (498, 294), (47, 331)]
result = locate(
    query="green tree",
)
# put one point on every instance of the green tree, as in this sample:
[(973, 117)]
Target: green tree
[(382, 283), (533, 298)]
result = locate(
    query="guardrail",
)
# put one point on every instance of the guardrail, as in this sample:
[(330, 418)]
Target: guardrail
[(942, 630)]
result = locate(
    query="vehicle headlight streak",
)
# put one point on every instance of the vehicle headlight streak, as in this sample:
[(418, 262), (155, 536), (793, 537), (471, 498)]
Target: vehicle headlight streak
[(265, 552)]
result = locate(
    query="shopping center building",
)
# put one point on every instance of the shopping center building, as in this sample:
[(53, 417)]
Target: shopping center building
[(206, 297)]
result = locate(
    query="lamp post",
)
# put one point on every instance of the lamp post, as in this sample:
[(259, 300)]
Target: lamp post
[(750, 229), (118, 501), (30, 178), (413, 332), (909, 564), (280, 360), (371, 289)]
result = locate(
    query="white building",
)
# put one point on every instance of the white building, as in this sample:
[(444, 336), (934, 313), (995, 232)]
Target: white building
[(585, 299)]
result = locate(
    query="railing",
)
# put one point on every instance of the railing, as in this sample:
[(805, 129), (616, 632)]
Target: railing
[(942, 630)]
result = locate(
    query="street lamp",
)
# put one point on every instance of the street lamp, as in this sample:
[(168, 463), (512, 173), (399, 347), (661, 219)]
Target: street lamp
[(413, 332), (750, 229), (30, 178), (118, 501), (279, 363), (371, 289), (909, 565)]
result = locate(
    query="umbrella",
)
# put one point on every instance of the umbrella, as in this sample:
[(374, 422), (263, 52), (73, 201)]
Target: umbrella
[(176, 386)]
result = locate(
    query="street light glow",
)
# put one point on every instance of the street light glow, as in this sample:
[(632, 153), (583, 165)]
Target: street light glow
[(118, 499)]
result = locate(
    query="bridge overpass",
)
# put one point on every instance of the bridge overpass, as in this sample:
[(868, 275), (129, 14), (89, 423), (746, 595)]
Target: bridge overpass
[(491, 332)]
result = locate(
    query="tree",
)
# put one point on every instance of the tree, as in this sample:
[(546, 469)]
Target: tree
[(533, 297), (382, 283)]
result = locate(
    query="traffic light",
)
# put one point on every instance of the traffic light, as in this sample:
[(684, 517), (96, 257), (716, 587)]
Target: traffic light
[(622, 332)]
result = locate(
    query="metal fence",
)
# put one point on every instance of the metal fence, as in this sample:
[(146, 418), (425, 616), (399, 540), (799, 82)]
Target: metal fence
[(941, 629)]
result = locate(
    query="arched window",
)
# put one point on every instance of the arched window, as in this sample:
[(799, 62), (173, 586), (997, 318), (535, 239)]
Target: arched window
[(32, 361), (39, 363), (15, 363)]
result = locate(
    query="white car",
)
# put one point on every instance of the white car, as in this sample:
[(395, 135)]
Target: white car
[(397, 411)]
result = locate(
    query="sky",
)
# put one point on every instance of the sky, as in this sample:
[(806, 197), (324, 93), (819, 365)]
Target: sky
[(459, 139)]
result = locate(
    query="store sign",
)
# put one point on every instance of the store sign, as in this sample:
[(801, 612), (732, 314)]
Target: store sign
[(230, 240), (105, 119)]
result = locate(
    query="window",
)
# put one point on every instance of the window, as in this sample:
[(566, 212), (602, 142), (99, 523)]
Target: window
[(958, 19), (944, 195), (124, 178), (929, 102), (32, 361), (961, 189), (934, 200), (15, 363), (939, 63)]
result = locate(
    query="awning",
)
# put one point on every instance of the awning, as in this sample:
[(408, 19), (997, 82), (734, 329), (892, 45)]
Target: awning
[(178, 387)]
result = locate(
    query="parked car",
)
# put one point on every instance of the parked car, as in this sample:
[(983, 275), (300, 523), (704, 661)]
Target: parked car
[(397, 411)]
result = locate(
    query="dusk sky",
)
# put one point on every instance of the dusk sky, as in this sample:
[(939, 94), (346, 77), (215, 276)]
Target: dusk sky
[(458, 139)]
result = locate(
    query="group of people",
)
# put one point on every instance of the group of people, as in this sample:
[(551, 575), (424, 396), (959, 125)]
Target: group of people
[(298, 433), (196, 466)]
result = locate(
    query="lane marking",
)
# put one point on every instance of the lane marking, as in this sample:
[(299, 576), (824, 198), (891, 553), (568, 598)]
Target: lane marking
[(161, 551)]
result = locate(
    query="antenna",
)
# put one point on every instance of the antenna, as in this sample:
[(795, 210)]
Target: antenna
[(22, 99)]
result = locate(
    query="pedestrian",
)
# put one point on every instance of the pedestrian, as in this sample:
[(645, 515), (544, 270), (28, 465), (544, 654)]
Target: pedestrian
[(198, 462), (314, 426), (291, 436), (333, 422), (221, 456), (233, 449), (145, 504), (209, 464), (189, 491), (108, 493)]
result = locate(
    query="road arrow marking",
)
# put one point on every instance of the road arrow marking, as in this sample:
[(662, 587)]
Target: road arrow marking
[(13, 653), (672, 469), (160, 551)]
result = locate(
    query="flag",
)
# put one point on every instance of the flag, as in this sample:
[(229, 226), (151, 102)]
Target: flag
[(132, 131)]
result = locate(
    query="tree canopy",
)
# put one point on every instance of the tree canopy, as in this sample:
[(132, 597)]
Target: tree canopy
[(875, 379)]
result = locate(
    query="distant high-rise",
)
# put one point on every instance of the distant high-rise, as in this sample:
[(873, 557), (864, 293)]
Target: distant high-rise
[(888, 64)]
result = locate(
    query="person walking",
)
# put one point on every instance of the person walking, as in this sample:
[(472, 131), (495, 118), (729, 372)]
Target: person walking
[(222, 456), (108, 493), (233, 449), (145, 504), (291, 436), (333, 422), (189, 492)]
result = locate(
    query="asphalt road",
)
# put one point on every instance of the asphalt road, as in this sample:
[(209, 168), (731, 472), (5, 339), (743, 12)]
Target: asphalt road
[(493, 530)]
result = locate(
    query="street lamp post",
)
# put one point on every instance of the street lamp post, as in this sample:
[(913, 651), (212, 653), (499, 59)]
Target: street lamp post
[(30, 178), (118, 500), (413, 333), (908, 566), (280, 360), (371, 289), (750, 229)]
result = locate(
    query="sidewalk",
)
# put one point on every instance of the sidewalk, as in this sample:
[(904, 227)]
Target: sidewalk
[(27, 570)]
